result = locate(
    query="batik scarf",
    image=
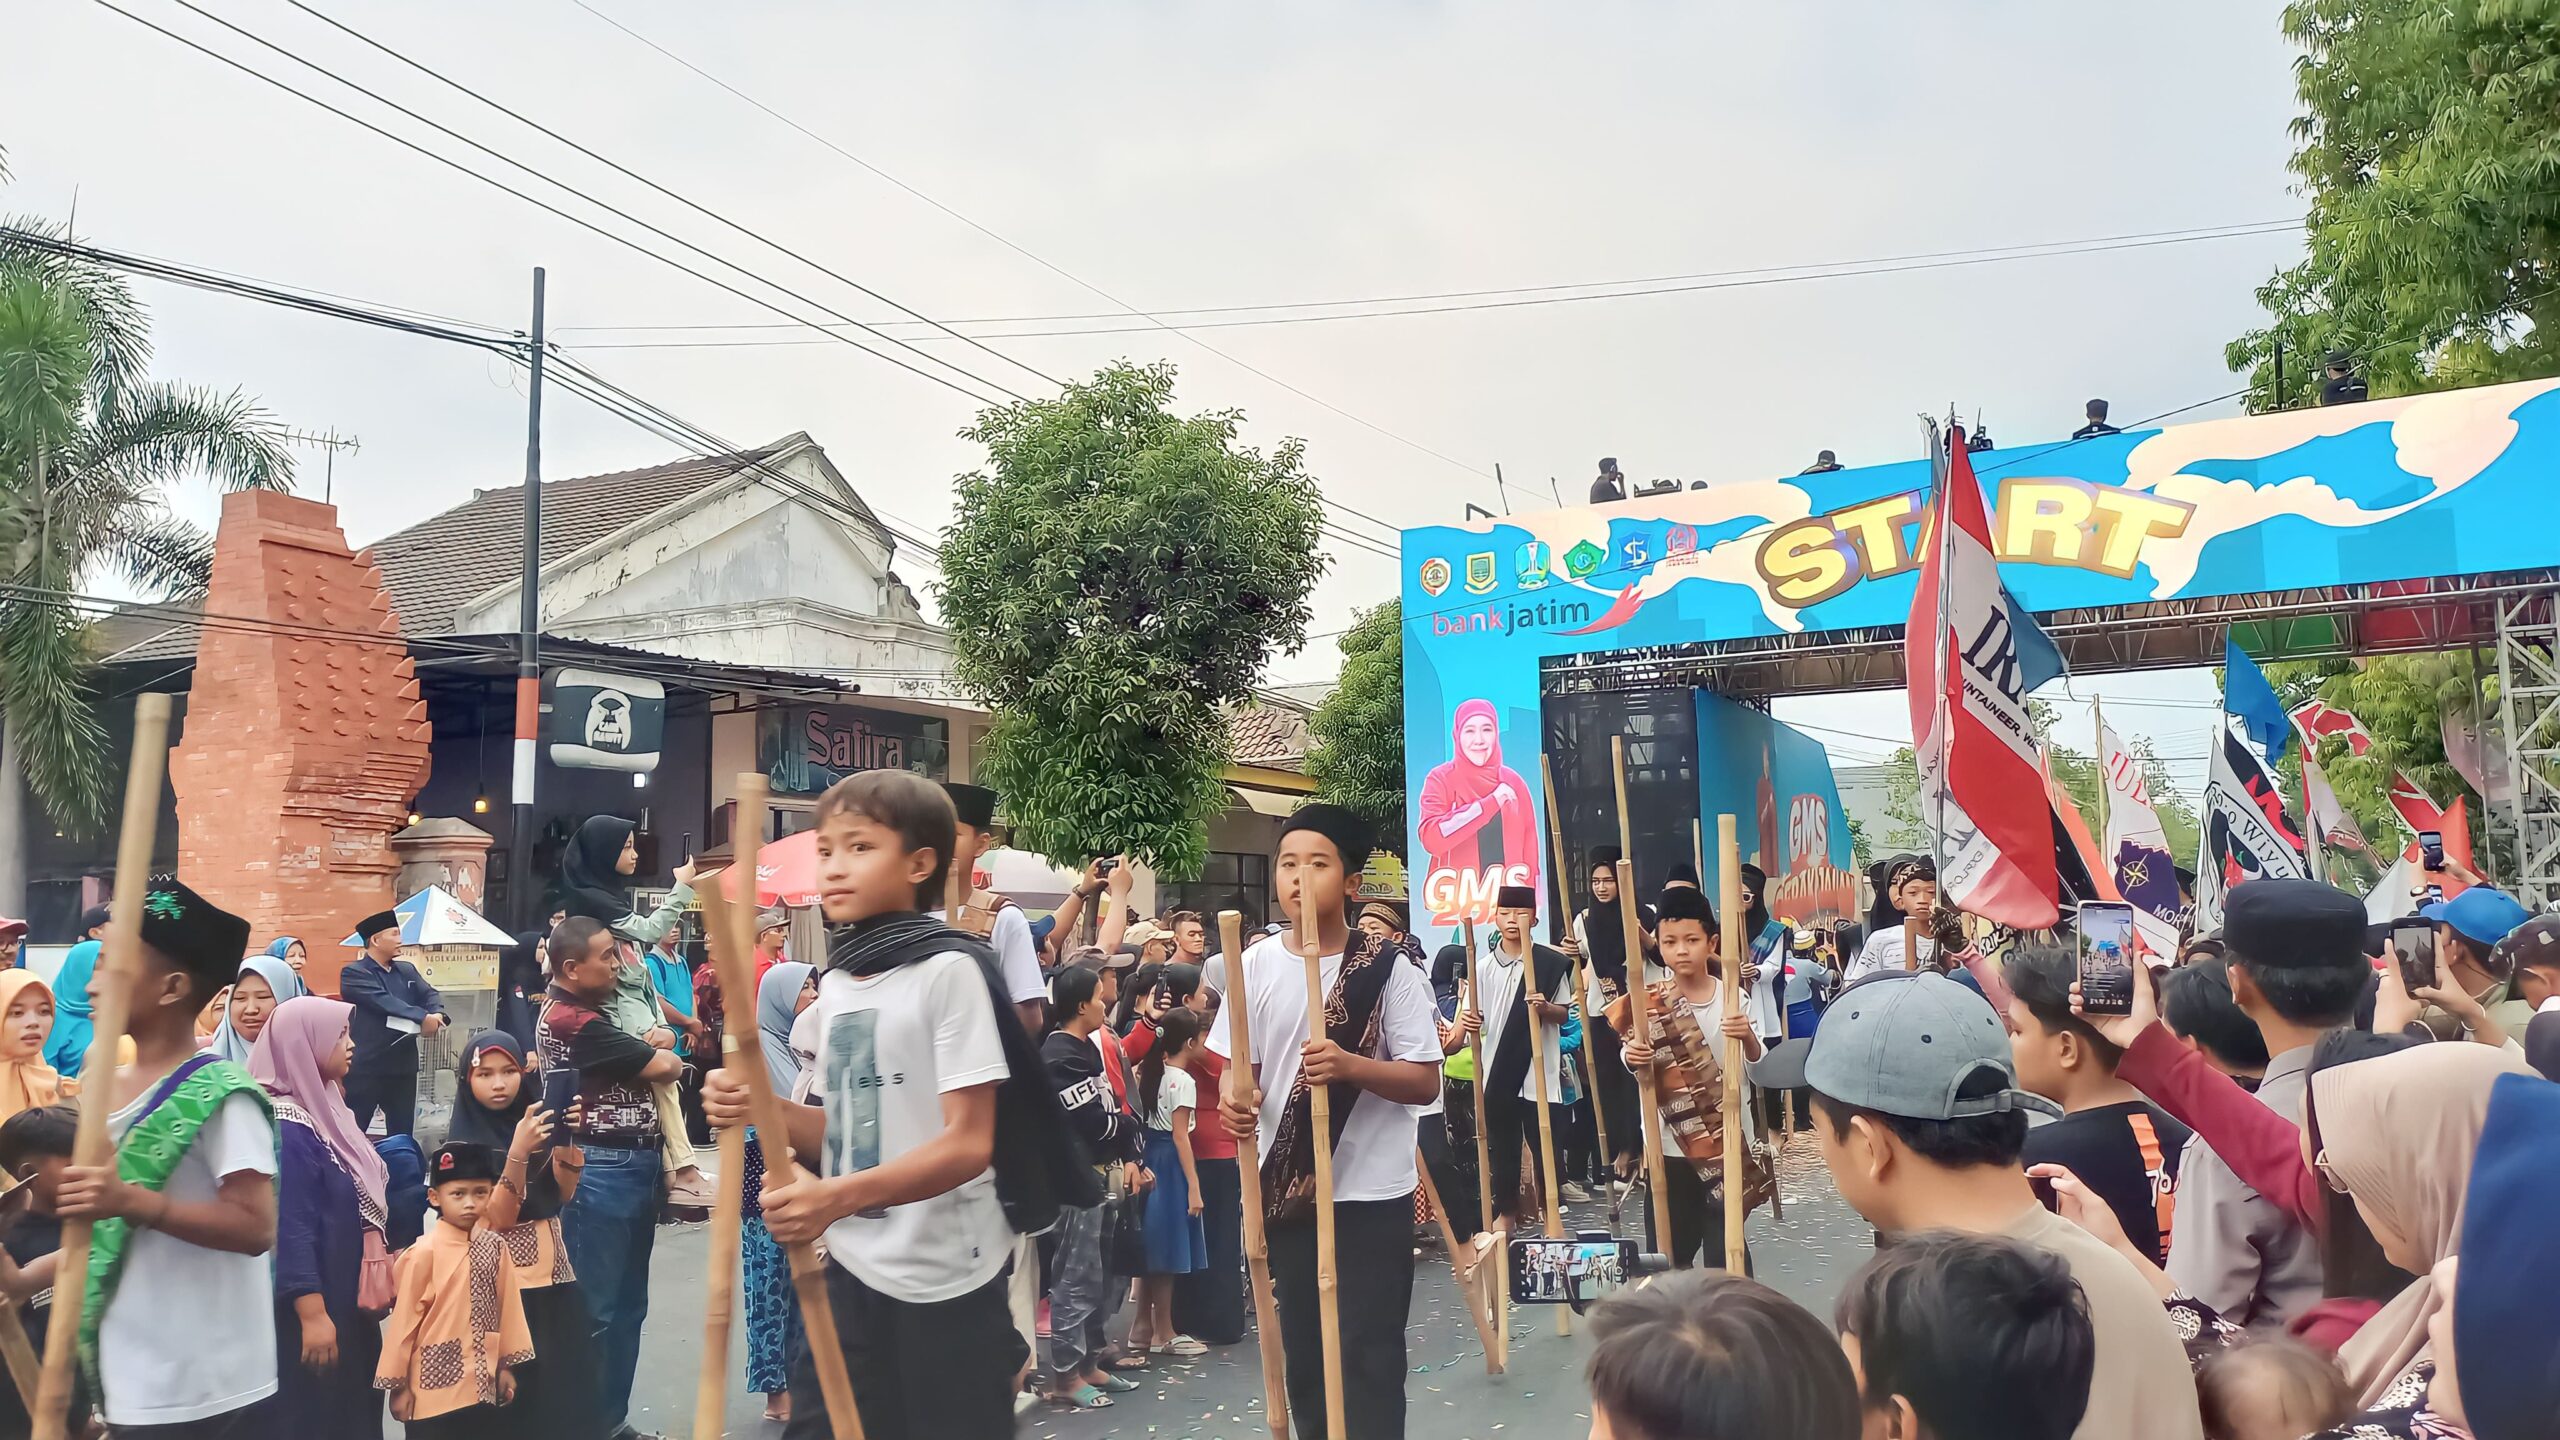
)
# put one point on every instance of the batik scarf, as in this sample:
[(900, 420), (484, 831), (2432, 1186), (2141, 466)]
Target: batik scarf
[(1352, 1016), (1689, 1062)]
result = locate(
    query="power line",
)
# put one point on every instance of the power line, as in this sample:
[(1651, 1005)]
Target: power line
[(491, 181), (683, 200), (1757, 281), (1045, 264), (2204, 232)]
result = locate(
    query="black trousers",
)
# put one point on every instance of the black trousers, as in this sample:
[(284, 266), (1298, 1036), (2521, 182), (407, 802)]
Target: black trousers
[(938, 1371), (1209, 1303), (1373, 1264), (1616, 1088), (394, 1093), (1577, 1148), (1448, 1144), (1697, 1219), (1510, 1142)]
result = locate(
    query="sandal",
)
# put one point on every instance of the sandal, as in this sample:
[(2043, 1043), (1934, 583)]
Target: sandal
[(1126, 1362), (1182, 1345), (1083, 1397), (1114, 1385)]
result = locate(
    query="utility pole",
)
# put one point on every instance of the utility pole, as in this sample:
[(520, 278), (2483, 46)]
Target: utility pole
[(520, 885)]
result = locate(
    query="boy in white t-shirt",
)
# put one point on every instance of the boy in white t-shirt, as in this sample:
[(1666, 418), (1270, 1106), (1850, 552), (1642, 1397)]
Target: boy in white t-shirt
[(1383, 1065), (903, 1127), (178, 1332)]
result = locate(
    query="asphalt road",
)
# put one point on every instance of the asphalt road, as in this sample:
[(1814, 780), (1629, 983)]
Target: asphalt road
[(1219, 1395)]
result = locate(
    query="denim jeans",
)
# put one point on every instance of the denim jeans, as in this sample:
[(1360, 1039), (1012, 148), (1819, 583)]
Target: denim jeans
[(610, 1226), (1082, 1294)]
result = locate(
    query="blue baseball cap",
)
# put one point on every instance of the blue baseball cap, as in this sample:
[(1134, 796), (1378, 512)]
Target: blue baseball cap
[(2482, 912)]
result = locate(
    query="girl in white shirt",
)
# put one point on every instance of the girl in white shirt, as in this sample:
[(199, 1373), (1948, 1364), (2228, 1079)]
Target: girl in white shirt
[(1177, 1243)]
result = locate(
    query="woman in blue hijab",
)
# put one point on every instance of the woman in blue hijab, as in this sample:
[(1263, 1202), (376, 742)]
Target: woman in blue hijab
[(67, 1044)]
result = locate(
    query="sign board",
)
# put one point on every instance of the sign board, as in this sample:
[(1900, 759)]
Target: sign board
[(2389, 490), (1777, 781), (454, 968), (803, 749), (592, 720)]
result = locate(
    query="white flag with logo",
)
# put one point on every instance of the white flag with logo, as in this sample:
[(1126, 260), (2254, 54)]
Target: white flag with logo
[(2136, 849)]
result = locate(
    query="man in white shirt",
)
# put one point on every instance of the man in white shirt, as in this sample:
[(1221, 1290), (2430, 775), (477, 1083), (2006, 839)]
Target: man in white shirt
[(994, 917), (1382, 1065)]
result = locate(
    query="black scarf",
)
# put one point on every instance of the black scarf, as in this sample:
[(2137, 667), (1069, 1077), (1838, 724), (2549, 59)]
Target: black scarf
[(1039, 1165), (591, 882), (1351, 1020), (1605, 930), (1544, 972), (476, 1124)]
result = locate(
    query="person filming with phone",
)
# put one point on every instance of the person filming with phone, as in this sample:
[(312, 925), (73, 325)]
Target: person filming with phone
[(2468, 928)]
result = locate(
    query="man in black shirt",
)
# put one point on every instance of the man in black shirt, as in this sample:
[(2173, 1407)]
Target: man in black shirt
[(394, 1005), (2097, 425), (1610, 486), (1824, 462), (2343, 385), (2119, 1144)]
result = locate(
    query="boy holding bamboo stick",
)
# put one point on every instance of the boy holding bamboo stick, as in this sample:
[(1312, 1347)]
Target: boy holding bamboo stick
[(904, 1129), (178, 1328), (1379, 1050)]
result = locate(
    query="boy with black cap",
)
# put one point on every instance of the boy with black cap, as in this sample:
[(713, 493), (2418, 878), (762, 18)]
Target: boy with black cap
[(1512, 993), (1380, 1053), (457, 1331), (394, 1006), (992, 917), (178, 1331), (1921, 1122)]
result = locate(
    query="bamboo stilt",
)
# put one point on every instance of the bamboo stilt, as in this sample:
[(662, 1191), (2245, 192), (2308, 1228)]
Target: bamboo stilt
[(720, 1275), (1467, 1276), (1320, 1117), (119, 968), (1639, 995), (1729, 880), (1573, 955), (1498, 1304), (730, 929), (1257, 1246)]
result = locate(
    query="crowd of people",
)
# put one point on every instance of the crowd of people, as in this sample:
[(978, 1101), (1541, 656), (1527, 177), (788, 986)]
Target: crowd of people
[(2242, 1209)]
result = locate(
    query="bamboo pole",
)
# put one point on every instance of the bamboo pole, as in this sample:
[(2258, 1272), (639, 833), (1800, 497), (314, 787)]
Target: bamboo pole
[(720, 1279), (119, 969), (1573, 954), (1546, 1121), (729, 927), (1498, 1297), (1648, 1103), (1457, 1260), (1257, 1247), (1729, 880), (1320, 1118)]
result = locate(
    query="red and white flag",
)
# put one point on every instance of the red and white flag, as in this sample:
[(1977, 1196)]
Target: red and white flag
[(1972, 655)]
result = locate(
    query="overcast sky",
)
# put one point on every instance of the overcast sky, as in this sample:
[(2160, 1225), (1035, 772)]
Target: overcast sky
[(1193, 156)]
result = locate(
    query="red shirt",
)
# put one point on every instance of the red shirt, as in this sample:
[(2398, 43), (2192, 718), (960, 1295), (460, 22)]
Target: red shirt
[(1209, 1137)]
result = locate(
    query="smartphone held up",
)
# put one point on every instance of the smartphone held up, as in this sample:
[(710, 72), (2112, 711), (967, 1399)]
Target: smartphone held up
[(2413, 949), (2106, 958)]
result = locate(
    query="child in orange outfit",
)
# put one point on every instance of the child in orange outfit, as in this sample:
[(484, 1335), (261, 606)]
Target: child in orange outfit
[(457, 1329)]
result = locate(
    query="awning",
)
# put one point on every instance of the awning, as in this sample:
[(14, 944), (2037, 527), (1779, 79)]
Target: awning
[(1276, 804)]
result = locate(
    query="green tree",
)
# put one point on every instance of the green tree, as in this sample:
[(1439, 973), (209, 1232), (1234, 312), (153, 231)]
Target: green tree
[(2427, 145), (1113, 577), (1358, 757), (88, 444)]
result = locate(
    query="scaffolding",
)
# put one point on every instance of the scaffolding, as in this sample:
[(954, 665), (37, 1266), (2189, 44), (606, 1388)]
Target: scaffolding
[(2529, 725)]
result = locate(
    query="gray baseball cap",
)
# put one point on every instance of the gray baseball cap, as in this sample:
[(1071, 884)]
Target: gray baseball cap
[(1905, 1043)]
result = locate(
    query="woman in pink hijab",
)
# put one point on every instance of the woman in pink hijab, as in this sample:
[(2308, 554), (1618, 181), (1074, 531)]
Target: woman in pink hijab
[(1475, 809), (329, 1226)]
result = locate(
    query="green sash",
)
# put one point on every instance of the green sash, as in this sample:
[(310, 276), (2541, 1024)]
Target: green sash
[(149, 1155)]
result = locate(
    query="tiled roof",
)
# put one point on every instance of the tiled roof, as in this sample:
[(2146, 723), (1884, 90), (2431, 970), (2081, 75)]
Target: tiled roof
[(1271, 736), (437, 565), (156, 633)]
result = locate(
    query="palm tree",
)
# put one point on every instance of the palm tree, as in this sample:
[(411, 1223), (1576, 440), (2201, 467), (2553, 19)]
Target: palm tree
[(87, 444)]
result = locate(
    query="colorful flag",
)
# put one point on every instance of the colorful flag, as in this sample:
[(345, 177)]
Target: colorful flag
[(2137, 848), (2247, 695), (2330, 824), (2318, 720), (2480, 759), (2247, 834), (1972, 655)]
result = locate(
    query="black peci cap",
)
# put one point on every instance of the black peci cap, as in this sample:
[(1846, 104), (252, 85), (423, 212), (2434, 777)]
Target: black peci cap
[(2293, 924), (975, 804)]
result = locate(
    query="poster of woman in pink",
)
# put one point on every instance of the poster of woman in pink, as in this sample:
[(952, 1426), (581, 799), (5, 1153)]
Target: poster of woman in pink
[(1477, 824)]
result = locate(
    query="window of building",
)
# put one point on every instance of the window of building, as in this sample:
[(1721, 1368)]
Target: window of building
[(1230, 881)]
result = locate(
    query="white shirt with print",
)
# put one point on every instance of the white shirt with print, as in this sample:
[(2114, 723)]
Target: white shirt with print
[(890, 1046)]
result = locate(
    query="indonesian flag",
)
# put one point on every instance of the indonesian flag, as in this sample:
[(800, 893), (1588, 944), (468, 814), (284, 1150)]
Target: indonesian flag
[(1972, 655)]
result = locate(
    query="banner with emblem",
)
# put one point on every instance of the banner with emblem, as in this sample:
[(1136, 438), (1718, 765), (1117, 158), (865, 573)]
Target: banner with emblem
[(2136, 848), (2247, 834)]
